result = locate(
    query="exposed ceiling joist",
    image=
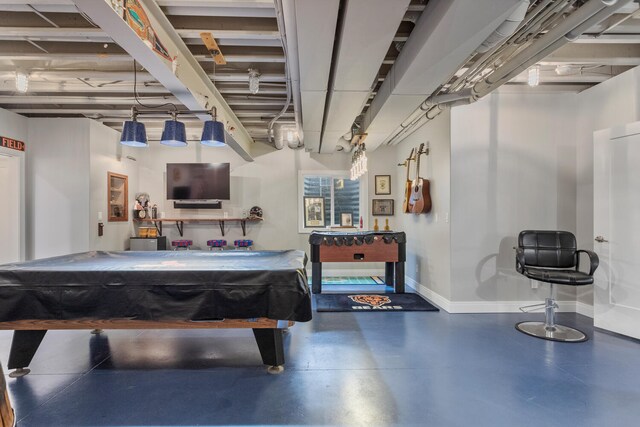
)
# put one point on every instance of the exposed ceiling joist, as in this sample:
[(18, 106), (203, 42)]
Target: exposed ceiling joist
[(611, 54)]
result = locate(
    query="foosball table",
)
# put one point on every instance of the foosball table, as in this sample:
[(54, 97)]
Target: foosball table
[(365, 246)]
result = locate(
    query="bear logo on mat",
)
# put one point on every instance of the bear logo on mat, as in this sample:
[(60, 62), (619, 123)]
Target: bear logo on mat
[(372, 300)]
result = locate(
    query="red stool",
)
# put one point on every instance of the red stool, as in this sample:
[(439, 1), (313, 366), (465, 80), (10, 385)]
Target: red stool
[(244, 244), (216, 244), (181, 244)]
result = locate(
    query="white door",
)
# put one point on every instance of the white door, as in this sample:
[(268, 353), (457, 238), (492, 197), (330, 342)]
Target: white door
[(617, 229), (10, 217)]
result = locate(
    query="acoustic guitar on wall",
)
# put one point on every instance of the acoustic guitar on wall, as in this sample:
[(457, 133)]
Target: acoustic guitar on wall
[(407, 186), (420, 200)]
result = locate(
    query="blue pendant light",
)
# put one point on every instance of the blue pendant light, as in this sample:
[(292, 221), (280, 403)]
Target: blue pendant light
[(174, 133), (213, 132), (134, 133)]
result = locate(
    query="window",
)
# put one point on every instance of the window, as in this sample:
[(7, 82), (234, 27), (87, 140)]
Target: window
[(330, 199)]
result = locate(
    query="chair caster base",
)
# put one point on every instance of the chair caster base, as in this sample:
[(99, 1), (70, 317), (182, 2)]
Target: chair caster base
[(555, 333)]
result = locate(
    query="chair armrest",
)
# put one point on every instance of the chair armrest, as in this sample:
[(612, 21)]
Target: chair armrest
[(520, 260), (593, 259)]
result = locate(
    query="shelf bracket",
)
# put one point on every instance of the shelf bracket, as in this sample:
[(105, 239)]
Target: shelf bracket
[(158, 225), (180, 226), (221, 224), (243, 224)]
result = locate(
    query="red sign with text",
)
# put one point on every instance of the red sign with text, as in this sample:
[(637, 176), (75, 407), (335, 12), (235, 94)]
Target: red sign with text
[(11, 143)]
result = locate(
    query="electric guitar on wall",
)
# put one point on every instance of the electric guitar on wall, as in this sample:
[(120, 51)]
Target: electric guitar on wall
[(408, 184), (420, 200)]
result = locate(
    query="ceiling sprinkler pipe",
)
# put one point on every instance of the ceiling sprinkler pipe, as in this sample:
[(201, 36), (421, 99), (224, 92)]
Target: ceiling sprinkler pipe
[(556, 34), (506, 29)]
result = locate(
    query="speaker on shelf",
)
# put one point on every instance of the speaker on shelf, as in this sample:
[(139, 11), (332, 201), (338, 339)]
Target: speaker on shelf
[(197, 205)]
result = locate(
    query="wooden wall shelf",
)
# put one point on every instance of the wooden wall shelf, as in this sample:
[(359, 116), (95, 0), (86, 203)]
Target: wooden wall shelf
[(180, 223)]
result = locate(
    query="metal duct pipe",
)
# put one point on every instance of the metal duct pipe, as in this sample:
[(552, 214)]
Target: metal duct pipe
[(287, 67), (587, 15), (289, 11), (506, 29)]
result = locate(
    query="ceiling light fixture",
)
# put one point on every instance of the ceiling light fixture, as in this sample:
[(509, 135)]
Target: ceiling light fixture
[(174, 133), (533, 76), (22, 82), (254, 81), (213, 131), (134, 133), (358, 162)]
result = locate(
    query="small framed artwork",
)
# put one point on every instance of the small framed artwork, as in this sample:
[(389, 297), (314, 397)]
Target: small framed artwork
[(346, 219), (313, 211), (382, 207), (383, 184)]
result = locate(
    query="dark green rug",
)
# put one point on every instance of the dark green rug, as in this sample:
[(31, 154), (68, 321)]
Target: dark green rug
[(366, 301)]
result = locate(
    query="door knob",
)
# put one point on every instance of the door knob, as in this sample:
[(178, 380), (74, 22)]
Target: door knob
[(601, 239)]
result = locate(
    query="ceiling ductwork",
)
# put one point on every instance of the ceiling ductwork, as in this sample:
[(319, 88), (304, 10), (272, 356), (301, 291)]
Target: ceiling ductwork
[(361, 49), (316, 28), (445, 36)]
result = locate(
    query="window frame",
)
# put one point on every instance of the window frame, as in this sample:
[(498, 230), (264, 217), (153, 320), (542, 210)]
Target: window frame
[(362, 205)]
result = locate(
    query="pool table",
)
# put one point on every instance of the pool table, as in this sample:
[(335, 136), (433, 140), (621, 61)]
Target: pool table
[(266, 291)]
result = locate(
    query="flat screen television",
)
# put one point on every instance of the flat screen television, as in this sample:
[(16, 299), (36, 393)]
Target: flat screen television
[(198, 181)]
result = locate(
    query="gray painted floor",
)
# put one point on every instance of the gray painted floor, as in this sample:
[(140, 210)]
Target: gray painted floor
[(369, 369)]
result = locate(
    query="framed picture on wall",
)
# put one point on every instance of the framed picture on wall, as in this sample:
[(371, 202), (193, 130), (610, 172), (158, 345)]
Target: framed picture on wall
[(313, 211), (382, 207), (346, 219), (383, 184)]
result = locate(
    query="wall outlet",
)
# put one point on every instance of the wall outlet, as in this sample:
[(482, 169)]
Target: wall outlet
[(534, 284), (435, 217)]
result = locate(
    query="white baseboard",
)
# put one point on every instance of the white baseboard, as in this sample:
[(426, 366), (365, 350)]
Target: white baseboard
[(492, 306)]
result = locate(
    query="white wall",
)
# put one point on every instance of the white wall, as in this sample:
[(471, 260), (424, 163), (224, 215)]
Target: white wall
[(15, 126), (271, 182), (108, 155), (611, 103), (512, 168), (428, 240), (58, 186)]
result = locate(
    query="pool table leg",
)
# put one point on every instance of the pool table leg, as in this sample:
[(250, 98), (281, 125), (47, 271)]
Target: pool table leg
[(23, 348), (271, 348)]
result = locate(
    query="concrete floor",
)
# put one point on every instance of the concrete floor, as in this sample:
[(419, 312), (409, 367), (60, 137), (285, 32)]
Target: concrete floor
[(369, 369)]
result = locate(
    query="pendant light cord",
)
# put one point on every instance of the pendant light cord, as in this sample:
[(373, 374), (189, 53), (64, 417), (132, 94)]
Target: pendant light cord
[(135, 93)]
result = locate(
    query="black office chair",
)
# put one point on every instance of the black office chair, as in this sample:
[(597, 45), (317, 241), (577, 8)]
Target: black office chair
[(552, 257)]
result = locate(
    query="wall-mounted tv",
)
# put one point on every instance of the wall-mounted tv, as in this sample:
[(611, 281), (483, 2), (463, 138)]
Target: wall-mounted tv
[(198, 181)]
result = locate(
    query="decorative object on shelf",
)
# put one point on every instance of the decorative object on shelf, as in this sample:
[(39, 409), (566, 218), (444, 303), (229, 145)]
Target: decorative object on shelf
[(154, 211), (255, 212), (346, 219), (386, 225), (375, 225), (140, 210), (361, 222), (314, 212), (117, 197), (382, 207), (407, 185), (383, 184), (420, 200)]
